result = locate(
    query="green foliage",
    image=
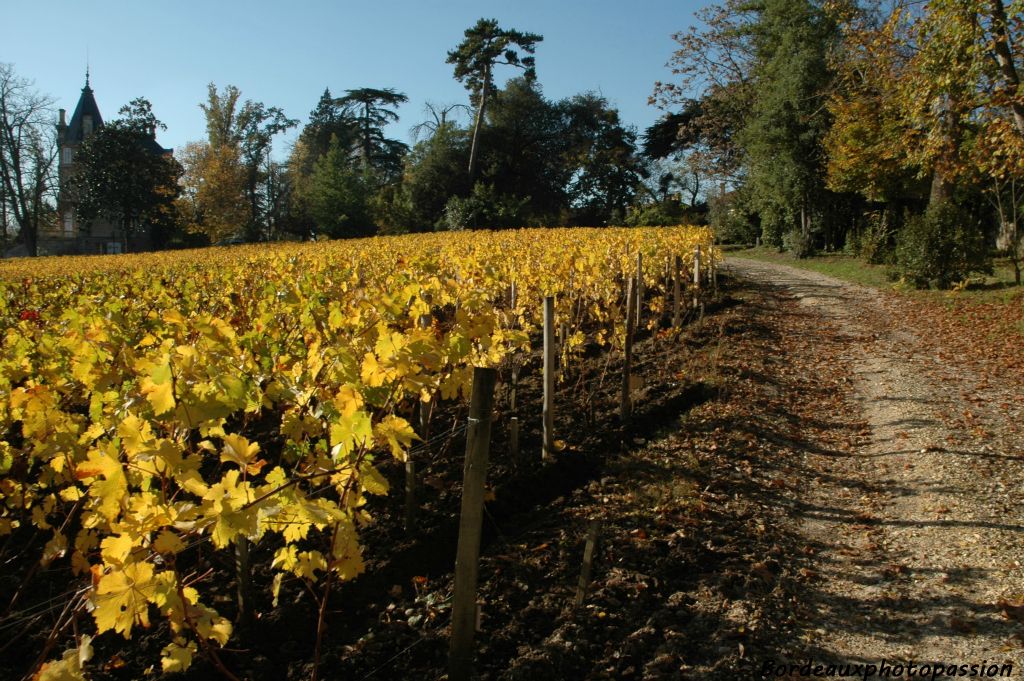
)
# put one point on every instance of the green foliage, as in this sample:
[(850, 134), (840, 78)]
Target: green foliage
[(874, 241), (526, 149), (369, 111), (485, 207), (433, 174), (485, 45), (602, 155), (733, 218), (659, 214), (122, 173), (365, 165), (798, 243), (783, 136), (551, 162), (338, 195), (941, 247)]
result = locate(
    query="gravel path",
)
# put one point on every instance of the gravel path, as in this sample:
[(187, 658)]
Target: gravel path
[(915, 531)]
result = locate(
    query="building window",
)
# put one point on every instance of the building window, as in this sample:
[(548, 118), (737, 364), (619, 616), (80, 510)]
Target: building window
[(69, 154), (113, 247), (69, 224)]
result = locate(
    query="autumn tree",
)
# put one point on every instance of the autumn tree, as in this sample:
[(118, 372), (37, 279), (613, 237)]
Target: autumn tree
[(28, 149), (485, 46), (709, 102), (249, 128), (929, 105), (214, 184)]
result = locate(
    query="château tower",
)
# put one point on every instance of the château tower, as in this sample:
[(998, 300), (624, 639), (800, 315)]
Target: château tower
[(71, 235)]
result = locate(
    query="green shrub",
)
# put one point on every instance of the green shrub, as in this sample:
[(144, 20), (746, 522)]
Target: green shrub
[(874, 241), (485, 207), (799, 244), (733, 218), (654, 215), (941, 247)]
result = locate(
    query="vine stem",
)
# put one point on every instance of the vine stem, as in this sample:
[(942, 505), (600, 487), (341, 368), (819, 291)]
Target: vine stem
[(207, 649)]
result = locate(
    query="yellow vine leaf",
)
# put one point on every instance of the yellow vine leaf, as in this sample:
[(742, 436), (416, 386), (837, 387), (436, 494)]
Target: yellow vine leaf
[(158, 387), (350, 432), (122, 598), (135, 434), (212, 626), (109, 491), (223, 502), (397, 433), (71, 665), (115, 550), (177, 656), (371, 479), (54, 549), (168, 542), (348, 400), (372, 374), (347, 559), (239, 450)]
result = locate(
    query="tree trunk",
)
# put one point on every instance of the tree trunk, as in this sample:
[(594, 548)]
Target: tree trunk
[(1004, 57), (31, 241), (942, 188), (477, 125)]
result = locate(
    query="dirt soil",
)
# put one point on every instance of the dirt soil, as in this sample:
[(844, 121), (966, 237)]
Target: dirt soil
[(813, 474)]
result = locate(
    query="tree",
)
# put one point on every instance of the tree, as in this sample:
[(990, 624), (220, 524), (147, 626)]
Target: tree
[(249, 128), (602, 155), (525, 151), (370, 110), (931, 95), (326, 121), (485, 46), (28, 149), (213, 200), (439, 118), (784, 132), (433, 174), (715, 58), (122, 173), (338, 195)]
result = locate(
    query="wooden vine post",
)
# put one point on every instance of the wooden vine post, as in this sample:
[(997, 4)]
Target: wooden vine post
[(625, 405), (513, 425), (696, 277), (677, 293), (243, 569), (713, 267), (639, 289), (550, 367), (478, 440), (588, 563)]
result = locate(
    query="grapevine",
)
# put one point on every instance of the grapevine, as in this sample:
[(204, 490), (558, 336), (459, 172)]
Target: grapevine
[(136, 393)]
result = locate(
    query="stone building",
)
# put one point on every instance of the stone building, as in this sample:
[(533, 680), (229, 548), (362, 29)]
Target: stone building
[(71, 235)]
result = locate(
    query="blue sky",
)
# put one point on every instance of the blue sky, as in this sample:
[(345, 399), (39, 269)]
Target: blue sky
[(285, 53)]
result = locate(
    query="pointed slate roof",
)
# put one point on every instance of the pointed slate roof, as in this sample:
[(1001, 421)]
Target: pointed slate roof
[(86, 107)]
